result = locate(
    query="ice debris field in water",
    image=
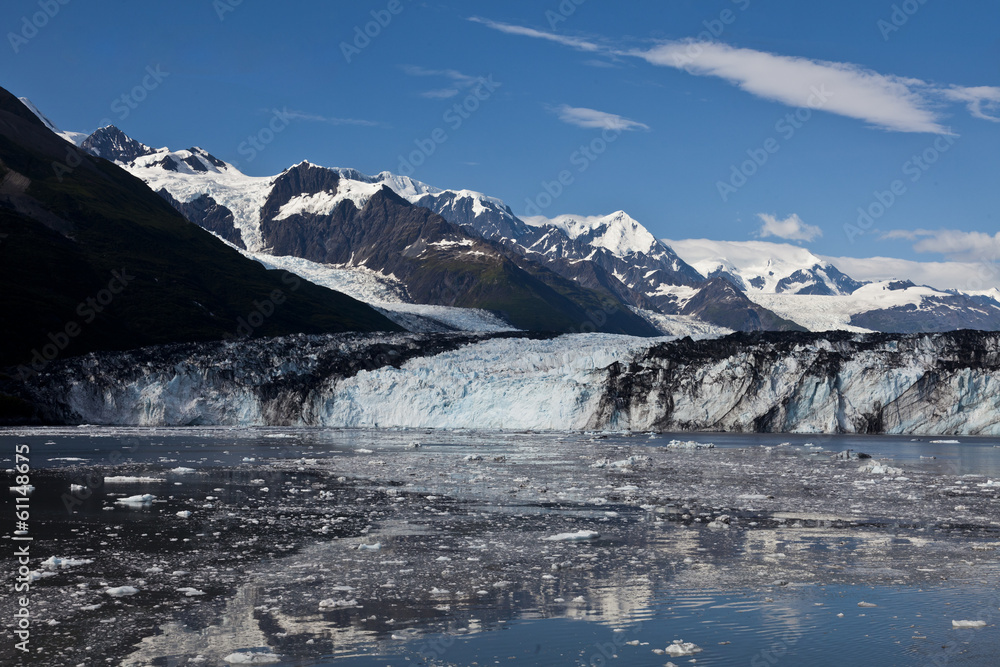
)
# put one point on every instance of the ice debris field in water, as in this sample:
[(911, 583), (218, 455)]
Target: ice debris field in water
[(217, 546)]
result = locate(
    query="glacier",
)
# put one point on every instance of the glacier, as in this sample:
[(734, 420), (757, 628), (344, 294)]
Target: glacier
[(931, 384)]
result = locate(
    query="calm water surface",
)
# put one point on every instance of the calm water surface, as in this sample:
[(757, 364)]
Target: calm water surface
[(278, 516)]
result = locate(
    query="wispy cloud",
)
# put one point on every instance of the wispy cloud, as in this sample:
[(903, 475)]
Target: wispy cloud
[(456, 79), (510, 29), (301, 115), (592, 118), (884, 101), (791, 228), (604, 64), (459, 79), (439, 93), (954, 244), (977, 99)]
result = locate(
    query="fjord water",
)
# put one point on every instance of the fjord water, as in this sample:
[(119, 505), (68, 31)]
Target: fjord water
[(315, 547)]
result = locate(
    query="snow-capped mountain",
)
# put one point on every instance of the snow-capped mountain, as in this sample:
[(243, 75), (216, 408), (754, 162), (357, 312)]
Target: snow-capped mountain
[(671, 284), (617, 233), (613, 256), (112, 144), (796, 284), (770, 268)]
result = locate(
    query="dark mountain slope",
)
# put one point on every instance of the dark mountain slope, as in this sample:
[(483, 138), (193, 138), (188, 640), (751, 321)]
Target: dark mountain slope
[(75, 228)]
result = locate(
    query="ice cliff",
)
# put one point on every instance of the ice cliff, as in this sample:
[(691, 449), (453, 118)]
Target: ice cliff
[(778, 382)]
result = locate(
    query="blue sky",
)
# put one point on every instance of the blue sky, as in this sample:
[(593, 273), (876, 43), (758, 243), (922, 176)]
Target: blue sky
[(672, 117)]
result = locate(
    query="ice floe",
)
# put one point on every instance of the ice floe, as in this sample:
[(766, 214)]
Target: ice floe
[(578, 536)]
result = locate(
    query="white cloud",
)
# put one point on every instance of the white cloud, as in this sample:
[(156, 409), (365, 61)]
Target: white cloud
[(581, 44), (791, 228), (592, 118), (300, 115), (954, 244), (884, 101)]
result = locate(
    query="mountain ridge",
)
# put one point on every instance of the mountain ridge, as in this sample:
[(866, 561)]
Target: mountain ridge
[(611, 254)]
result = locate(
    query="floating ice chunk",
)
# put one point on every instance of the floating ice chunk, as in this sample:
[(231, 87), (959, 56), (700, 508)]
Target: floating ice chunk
[(622, 463), (876, 468), (370, 547), (251, 657), (362, 450), (945, 442), (721, 522), (850, 455), (184, 514), (867, 604), (689, 444), (77, 487), (330, 603), (121, 591), (54, 563), (131, 479), (578, 536), (144, 499), (182, 471), (190, 592), (681, 647), (968, 624)]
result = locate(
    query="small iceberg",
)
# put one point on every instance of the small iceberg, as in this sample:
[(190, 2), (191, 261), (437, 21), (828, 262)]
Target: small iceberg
[(137, 501), (578, 536), (681, 648), (252, 657)]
